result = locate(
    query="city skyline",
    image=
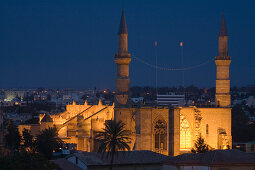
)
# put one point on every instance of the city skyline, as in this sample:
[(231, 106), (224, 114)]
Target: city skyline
[(63, 44)]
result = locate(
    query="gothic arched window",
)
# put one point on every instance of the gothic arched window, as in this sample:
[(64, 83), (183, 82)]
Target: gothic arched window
[(160, 135), (185, 134)]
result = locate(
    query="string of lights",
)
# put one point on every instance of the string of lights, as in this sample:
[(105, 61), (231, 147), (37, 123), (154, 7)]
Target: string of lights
[(171, 69)]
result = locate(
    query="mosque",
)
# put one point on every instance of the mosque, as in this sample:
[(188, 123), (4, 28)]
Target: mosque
[(162, 129)]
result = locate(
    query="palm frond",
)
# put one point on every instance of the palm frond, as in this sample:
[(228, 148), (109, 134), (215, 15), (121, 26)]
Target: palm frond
[(113, 138)]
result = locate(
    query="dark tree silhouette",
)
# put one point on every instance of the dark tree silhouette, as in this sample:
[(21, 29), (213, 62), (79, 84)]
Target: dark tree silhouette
[(112, 139), (12, 138), (26, 161), (48, 141), (241, 130), (200, 146), (28, 142)]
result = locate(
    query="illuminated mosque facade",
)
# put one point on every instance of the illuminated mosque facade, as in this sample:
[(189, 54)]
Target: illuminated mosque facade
[(162, 129)]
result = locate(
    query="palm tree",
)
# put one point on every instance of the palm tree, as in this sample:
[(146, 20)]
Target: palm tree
[(28, 141), (48, 141), (113, 138)]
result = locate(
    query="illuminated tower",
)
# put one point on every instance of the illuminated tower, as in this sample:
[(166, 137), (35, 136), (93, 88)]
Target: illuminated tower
[(222, 96), (122, 60)]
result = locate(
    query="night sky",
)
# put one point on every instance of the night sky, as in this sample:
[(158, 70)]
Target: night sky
[(71, 44)]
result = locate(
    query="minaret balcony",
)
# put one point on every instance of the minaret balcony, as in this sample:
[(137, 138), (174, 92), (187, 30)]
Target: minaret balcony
[(122, 59), (222, 62), (127, 55), (222, 58)]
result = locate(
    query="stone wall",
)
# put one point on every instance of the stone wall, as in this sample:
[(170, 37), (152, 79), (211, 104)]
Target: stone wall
[(214, 127)]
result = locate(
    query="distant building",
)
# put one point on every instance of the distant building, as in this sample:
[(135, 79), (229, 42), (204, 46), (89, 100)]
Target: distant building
[(11, 94), (18, 118), (137, 99), (171, 99), (1, 132), (1, 118), (245, 146), (250, 101)]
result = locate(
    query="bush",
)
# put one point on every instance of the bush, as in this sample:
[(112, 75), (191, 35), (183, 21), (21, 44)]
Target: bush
[(26, 161)]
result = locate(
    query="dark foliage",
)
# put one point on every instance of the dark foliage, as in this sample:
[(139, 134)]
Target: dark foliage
[(32, 121), (48, 141), (112, 139), (241, 130), (26, 161), (200, 146), (12, 138), (28, 141), (84, 97)]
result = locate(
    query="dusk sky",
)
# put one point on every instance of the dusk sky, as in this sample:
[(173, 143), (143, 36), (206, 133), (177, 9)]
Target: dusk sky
[(71, 44)]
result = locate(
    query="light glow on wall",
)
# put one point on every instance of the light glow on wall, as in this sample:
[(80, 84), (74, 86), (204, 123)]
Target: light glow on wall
[(185, 134)]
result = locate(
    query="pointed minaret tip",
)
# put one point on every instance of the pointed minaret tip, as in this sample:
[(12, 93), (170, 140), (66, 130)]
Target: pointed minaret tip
[(100, 102), (123, 25), (74, 103), (86, 103), (223, 27)]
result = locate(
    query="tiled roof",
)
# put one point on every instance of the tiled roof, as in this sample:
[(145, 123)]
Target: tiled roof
[(46, 118), (216, 157), (88, 159), (64, 164), (127, 157)]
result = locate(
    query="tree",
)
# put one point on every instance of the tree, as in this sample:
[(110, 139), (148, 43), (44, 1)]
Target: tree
[(12, 138), (26, 161), (113, 138), (84, 97), (48, 141), (200, 146), (241, 130), (28, 142)]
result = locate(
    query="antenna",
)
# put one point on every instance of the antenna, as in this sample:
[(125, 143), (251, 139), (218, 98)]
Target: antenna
[(182, 60), (156, 69)]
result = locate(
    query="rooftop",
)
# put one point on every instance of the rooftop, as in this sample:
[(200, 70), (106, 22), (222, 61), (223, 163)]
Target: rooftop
[(216, 157), (127, 157), (65, 164), (46, 118)]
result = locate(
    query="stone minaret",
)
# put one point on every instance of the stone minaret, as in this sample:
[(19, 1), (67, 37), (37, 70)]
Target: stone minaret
[(122, 60), (222, 96)]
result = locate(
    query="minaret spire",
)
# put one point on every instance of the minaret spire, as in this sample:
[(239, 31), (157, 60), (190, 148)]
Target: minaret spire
[(123, 25), (223, 27), (223, 39)]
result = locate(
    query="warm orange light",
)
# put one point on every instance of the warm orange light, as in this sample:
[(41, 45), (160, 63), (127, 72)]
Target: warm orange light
[(185, 134), (181, 43)]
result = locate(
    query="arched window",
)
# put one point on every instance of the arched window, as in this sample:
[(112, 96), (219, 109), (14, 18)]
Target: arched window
[(63, 132), (160, 135), (185, 135)]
